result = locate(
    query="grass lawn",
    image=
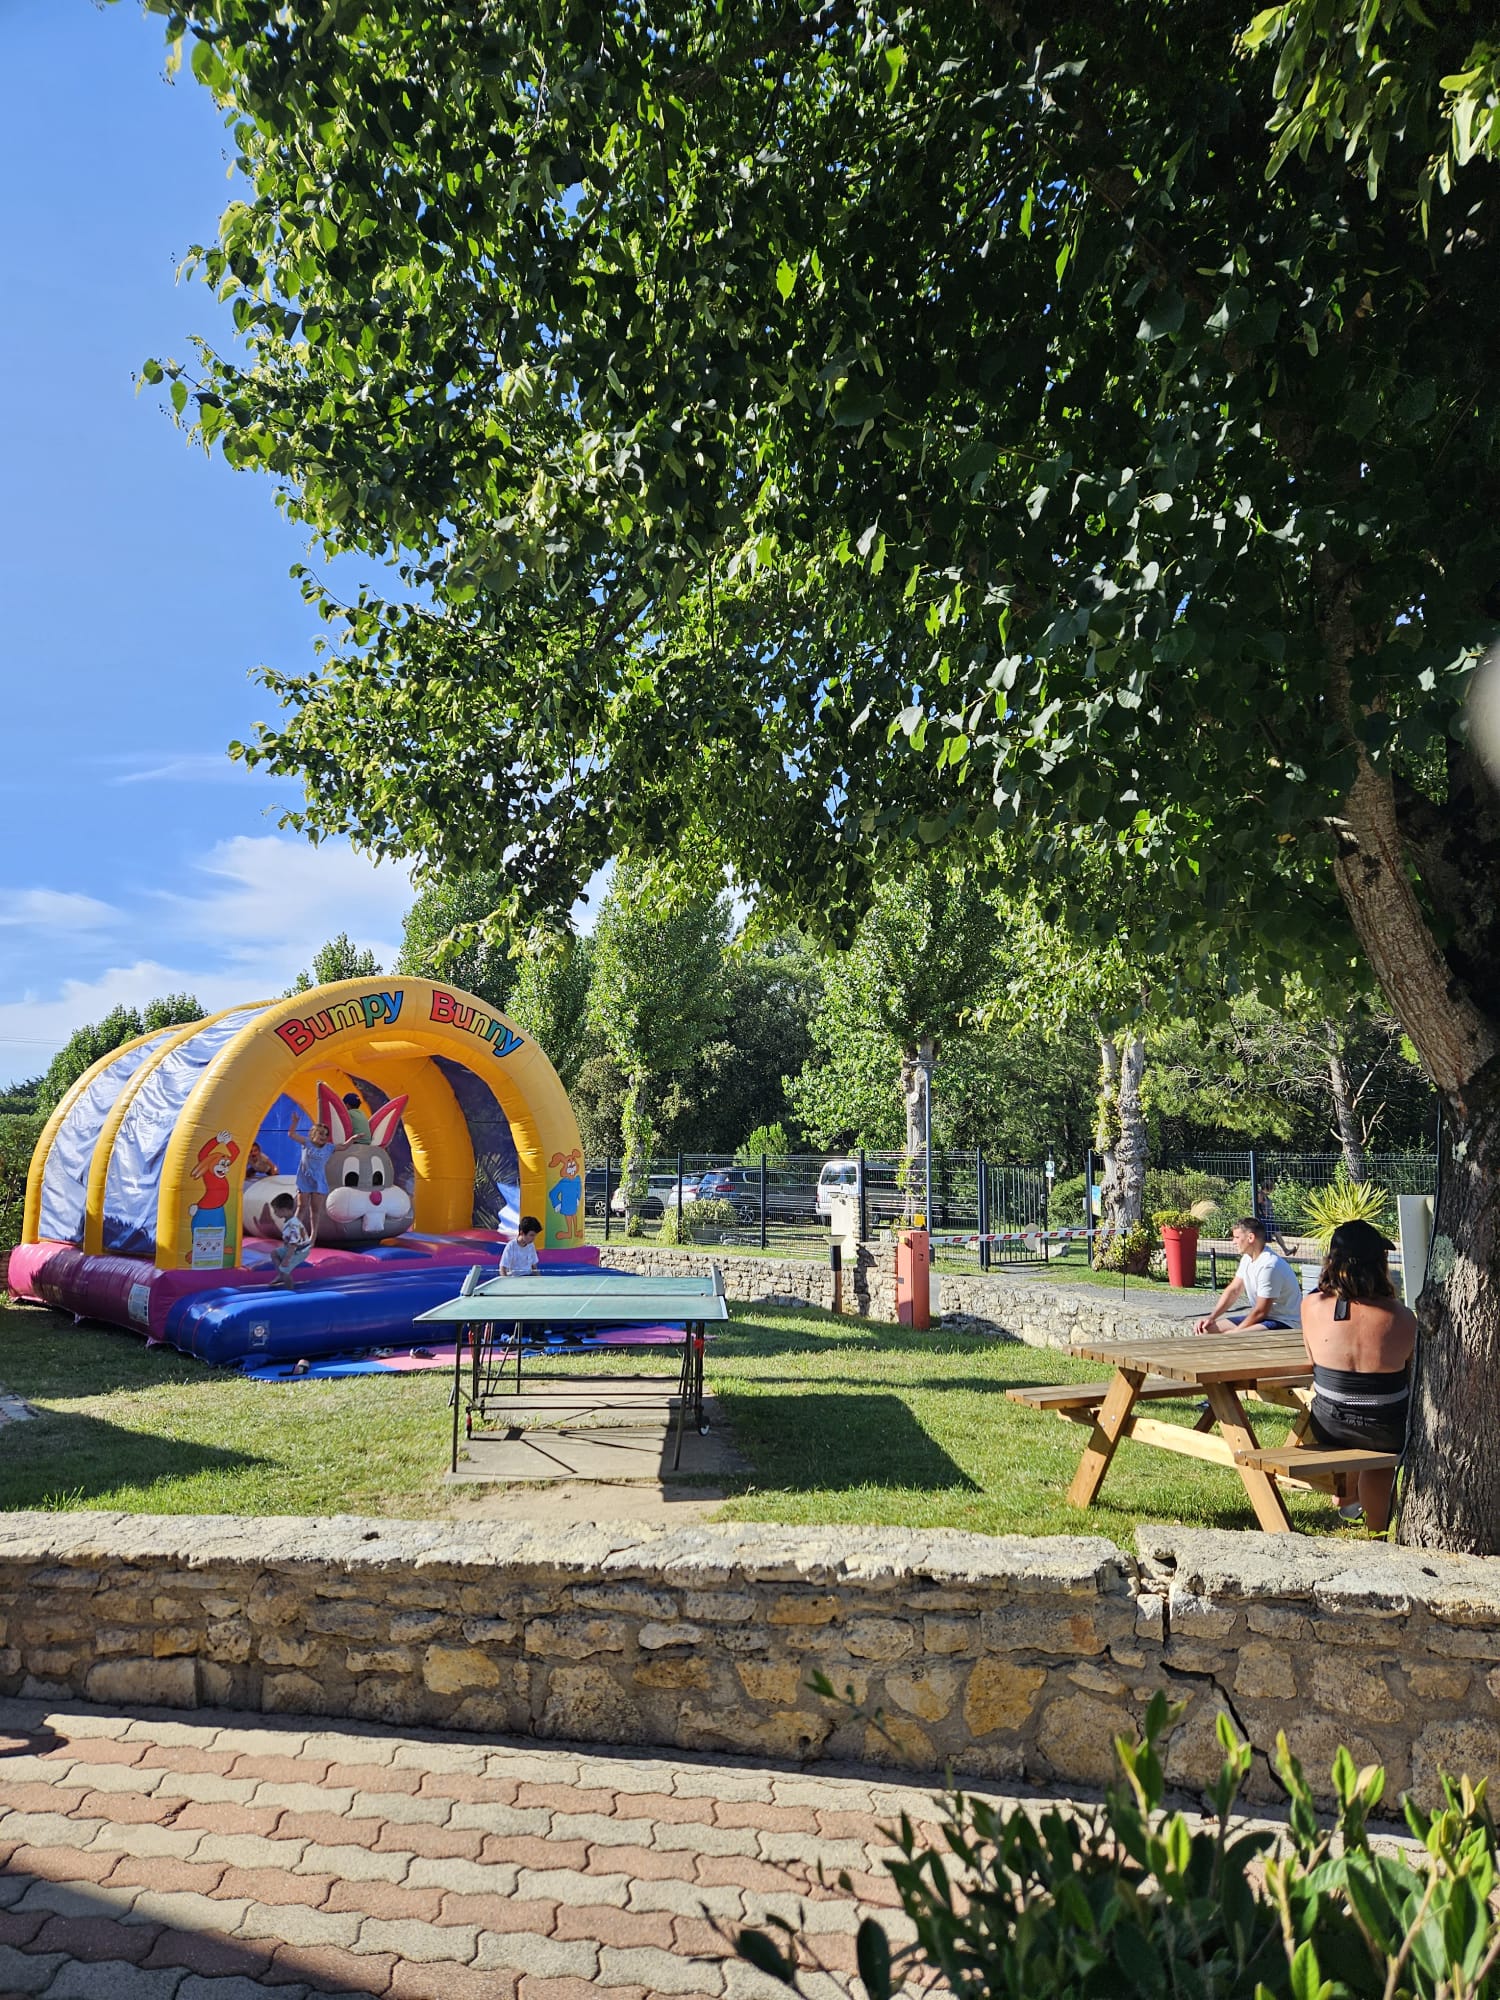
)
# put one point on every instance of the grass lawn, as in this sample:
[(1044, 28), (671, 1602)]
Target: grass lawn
[(843, 1420)]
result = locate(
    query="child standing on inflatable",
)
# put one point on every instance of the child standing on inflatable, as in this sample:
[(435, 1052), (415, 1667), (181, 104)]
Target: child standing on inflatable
[(312, 1175), (296, 1244)]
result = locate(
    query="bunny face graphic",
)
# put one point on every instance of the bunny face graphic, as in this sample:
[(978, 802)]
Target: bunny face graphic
[(364, 1202)]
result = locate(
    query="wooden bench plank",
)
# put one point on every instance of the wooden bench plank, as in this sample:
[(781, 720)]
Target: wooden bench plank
[(1302, 1460), (1083, 1395)]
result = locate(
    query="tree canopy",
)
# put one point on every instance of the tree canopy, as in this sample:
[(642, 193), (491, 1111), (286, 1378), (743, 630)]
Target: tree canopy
[(448, 934)]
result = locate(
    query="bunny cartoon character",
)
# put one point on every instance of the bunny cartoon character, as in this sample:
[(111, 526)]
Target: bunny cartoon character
[(364, 1200)]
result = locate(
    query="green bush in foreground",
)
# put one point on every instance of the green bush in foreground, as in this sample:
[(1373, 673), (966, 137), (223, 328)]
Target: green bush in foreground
[(1124, 1899)]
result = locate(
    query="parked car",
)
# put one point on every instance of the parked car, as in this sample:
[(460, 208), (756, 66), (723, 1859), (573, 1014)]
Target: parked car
[(597, 1182), (660, 1190), (885, 1199), (788, 1199)]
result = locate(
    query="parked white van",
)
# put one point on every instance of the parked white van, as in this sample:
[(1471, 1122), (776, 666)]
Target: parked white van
[(840, 1175)]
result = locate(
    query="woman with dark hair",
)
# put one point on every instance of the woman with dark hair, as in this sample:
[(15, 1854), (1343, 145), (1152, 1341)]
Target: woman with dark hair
[(1359, 1338)]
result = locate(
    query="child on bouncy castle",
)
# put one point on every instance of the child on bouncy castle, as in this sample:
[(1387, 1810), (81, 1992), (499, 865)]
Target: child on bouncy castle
[(312, 1175), (296, 1244)]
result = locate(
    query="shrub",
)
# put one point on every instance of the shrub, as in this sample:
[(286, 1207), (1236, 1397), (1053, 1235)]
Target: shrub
[(1130, 1252), (1345, 1201), (702, 1221), (1065, 1210), (1168, 1188), (1174, 1218), (19, 1132), (1126, 1899), (772, 1140)]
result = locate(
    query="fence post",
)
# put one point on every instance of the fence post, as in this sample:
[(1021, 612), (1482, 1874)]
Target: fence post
[(1254, 1184), (982, 1207), (606, 1196), (864, 1220), (1088, 1204), (679, 1196), (762, 1201)]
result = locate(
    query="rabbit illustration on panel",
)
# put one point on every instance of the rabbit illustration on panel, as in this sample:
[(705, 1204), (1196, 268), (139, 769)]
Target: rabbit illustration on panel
[(364, 1201)]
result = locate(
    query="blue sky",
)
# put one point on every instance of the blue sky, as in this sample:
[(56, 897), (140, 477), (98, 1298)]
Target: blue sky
[(140, 582)]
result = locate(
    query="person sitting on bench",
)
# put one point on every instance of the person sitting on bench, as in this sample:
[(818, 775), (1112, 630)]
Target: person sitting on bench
[(1268, 1284), (1360, 1340)]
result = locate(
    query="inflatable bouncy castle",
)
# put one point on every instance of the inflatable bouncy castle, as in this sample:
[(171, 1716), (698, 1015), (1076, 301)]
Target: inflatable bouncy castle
[(150, 1197)]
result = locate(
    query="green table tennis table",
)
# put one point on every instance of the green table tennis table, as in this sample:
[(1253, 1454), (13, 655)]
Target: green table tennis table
[(568, 1312)]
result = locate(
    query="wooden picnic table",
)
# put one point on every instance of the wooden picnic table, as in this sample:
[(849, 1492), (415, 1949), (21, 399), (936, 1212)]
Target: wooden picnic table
[(1271, 1365)]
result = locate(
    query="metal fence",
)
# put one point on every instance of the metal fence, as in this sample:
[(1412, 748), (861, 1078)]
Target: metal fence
[(986, 1213)]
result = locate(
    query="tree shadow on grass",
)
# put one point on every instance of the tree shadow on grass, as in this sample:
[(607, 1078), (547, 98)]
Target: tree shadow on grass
[(59, 1459), (808, 1442)]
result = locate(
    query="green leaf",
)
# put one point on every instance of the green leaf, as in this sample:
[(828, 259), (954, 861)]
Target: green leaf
[(1163, 316), (786, 278), (179, 395), (872, 1951)]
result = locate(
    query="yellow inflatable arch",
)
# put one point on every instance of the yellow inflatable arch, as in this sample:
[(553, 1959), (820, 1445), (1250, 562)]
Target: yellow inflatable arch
[(211, 1085)]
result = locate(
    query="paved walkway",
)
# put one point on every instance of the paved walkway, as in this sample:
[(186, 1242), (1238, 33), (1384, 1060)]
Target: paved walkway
[(212, 1856)]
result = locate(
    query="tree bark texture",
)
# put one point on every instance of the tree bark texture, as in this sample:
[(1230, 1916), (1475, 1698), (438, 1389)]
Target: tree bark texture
[(1346, 1122), (1448, 999), (1121, 1131), (914, 1088)]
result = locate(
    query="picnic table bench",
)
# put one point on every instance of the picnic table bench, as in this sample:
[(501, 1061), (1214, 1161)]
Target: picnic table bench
[(1268, 1365), (568, 1312)]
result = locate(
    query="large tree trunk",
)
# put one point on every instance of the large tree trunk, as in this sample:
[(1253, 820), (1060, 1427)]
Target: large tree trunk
[(1121, 1132), (1446, 1000), (1351, 1139), (914, 1087)]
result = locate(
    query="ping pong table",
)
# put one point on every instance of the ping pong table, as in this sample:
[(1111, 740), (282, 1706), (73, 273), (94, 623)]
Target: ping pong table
[(575, 1312)]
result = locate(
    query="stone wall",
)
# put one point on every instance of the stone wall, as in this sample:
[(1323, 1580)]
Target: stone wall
[(996, 1656), (985, 1302)]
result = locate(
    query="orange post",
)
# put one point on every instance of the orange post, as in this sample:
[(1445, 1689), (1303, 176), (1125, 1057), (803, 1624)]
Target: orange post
[(913, 1278)]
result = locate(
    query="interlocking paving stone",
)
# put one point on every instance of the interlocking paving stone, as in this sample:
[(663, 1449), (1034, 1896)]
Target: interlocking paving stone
[(114, 1980), (28, 1972), (294, 1924), (455, 1982), (524, 1952), (148, 1857), (572, 1885), (657, 1971), (330, 1969)]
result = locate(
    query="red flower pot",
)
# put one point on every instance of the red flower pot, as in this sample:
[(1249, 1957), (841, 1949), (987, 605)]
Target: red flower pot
[(1181, 1248)]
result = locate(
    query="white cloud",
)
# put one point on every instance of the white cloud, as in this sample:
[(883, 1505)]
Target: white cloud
[(272, 894), (55, 910), (34, 1027), (192, 767), (264, 905)]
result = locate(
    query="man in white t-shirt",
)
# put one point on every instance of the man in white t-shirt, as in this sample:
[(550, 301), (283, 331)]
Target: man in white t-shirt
[(519, 1259), (1269, 1284)]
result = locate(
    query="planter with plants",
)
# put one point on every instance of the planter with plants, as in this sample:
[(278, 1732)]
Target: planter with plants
[(1179, 1242)]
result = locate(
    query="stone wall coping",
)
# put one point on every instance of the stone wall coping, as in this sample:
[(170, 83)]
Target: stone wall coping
[(875, 1558), (1370, 1577)]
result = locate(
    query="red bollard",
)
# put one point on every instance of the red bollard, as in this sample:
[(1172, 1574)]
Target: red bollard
[(913, 1278)]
